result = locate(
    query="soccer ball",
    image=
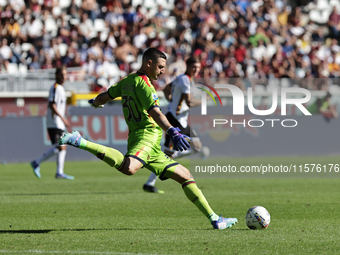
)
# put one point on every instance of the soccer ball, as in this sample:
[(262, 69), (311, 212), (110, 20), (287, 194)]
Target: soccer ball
[(257, 217)]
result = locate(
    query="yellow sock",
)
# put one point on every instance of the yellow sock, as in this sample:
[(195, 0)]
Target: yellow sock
[(109, 155), (195, 195)]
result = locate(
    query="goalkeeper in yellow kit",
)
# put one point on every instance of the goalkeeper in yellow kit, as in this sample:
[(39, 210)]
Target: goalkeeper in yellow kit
[(145, 120)]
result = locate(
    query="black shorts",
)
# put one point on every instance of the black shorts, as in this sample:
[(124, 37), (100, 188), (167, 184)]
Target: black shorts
[(55, 134), (174, 122)]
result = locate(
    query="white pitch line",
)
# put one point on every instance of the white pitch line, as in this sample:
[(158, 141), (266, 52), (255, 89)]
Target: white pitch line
[(74, 252)]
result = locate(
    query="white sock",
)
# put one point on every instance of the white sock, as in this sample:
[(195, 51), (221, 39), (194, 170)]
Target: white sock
[(49, 153), (61, 161), (152, 180)]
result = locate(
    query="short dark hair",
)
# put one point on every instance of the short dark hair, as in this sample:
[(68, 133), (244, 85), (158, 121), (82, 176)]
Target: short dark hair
[(59, 77), (191, 61), (153, 54)]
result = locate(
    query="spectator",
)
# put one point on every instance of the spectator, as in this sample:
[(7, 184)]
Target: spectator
[(5, 53), (260, 51), (85, 27), (91, 8), (160, 18), (35, 65), (114, 17), (95, 49), (13, 28), (124, 50), (17, 5), (318, 35), (140, 39), (73, 10), (240, 52), (178, 66), (333, 66), (48, 64), (260, 35), (251, 38), (35, 27), (17, 51), (334, 23)]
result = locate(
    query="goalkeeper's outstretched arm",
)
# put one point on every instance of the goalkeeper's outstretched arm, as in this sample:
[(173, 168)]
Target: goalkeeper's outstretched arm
[(100, 100), (160, 118)]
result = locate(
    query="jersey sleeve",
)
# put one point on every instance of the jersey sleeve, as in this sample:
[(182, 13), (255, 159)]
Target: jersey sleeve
[(115, 90), (53, 94), (51, 97), (147, 96), (57, 94), (185, 85)]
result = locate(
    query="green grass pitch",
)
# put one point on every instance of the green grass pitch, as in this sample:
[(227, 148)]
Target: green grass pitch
[(104, 212)]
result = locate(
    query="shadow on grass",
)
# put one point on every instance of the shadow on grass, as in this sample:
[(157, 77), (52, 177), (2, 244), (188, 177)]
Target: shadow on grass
[(45, 231), (67, 194)]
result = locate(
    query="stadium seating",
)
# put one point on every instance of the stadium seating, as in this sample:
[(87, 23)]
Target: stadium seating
[(322, 4), (64, 3), (317, 11), (3, 3)]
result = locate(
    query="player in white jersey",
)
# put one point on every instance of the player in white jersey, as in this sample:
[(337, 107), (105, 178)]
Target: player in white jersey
[(56, 123), (180, 101)]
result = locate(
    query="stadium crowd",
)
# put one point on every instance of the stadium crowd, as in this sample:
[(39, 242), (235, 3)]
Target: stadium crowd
[(235, 38)]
